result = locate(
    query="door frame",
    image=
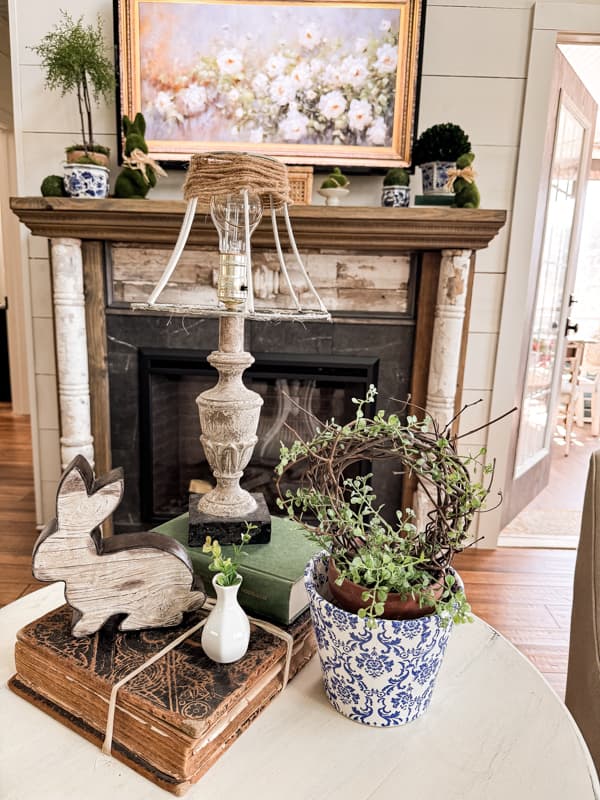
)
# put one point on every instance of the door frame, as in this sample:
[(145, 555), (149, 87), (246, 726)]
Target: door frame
[(550, 20)]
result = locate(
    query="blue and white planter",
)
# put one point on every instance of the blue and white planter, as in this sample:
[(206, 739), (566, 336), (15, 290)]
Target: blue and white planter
[(435, 176), (382, 676), (395, 196), (86, 180)]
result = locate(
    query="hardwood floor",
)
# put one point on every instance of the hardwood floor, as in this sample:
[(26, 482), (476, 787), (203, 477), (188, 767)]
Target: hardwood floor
[(17, 507), (524, 593)]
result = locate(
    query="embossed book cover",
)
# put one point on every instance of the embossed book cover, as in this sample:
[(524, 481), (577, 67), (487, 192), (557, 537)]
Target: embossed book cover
[(176, 717)]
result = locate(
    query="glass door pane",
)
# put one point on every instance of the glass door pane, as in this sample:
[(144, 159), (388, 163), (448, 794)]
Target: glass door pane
[(547, 332)]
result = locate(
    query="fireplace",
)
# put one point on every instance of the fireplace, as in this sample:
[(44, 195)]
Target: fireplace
[(171, 456), (158, 366)]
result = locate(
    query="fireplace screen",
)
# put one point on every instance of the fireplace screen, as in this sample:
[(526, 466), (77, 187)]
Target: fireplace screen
[(172, 458)]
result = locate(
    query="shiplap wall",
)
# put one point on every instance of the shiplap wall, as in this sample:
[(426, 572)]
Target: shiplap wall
[(474, 74)]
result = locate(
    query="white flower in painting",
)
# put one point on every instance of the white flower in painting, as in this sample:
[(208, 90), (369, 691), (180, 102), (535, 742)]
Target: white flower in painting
[(300, 76), (275, 66), (316, 66), (293, 127), (333, 75), (233, 95), (332, 104), (359, 115), (387, 58), (165, 105), (377, 132), (239, 112), (191, 100), (309, 37), (360, 45), (354, 71), (230, 61), (282, 91), (260, 84), (256, 136), (385, 25)]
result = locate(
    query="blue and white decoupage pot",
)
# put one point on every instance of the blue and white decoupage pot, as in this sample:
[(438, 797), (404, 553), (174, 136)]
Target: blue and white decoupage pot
[(86, 180), (381, 676), (435, 177)]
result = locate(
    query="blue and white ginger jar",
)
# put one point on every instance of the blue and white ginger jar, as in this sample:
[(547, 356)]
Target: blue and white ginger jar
[(382, 676)]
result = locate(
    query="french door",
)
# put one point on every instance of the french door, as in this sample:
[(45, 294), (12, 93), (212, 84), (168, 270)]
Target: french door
[(567, 162)]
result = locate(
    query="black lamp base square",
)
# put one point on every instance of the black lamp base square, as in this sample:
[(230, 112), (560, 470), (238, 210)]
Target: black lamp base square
[(228, 531)]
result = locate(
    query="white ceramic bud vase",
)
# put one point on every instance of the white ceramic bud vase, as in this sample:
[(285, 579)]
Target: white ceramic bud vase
[(226, 634)]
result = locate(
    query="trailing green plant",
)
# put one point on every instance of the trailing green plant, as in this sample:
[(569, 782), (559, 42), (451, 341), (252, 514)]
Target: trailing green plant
[(397, 176), (75, 59), (226, 566), (341, 513), (443, 142)]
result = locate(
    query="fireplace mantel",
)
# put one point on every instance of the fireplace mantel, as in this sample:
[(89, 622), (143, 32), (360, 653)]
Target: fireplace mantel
[(348, 227), (441, 243)]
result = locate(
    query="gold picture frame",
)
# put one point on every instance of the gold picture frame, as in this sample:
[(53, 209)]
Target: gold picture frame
[(309, 81)]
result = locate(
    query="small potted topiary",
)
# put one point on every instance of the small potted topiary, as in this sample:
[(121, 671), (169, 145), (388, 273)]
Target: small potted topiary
[(76, 61), (436, 151), (395, 192), (334, 187), (383, 595)]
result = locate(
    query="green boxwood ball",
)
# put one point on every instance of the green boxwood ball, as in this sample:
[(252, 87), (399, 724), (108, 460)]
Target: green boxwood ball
[(53, 186)]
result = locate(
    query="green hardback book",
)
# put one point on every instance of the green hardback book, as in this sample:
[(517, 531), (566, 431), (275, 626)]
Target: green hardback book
[(273, 573), (434, 199)]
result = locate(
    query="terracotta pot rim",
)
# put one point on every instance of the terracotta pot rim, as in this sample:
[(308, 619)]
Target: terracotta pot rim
[(347, 596)]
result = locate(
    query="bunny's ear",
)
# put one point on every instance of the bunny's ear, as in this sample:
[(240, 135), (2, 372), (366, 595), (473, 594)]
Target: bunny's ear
[(140, 123), (126, 124), (82, 503)]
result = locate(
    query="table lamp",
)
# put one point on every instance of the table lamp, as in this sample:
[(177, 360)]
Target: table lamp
[(237, 189)]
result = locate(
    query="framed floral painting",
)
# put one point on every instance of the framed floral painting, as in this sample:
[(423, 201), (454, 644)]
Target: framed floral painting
[(310, 81)]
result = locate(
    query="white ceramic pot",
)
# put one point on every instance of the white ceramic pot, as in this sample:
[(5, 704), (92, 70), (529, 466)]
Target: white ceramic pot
[(435, 177), (381, 676), (333, 195), (226, 634), (86, 180)]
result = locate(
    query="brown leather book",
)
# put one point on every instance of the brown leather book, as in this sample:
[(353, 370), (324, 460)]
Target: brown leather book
[(174, 719)]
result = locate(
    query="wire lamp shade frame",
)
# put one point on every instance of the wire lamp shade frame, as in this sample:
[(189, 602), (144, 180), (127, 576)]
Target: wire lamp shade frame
[(215, 174)]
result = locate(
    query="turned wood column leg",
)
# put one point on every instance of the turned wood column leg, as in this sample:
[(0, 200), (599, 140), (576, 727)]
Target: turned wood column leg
[(71, 351), (447, 334), (445, 347)]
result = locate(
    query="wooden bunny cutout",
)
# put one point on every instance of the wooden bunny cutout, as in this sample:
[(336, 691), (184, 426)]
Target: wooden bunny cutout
[(146, 576)]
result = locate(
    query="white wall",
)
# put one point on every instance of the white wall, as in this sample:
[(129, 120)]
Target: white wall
[(474, 73)]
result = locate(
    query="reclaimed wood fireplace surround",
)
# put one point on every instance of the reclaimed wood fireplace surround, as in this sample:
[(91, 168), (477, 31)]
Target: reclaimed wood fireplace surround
[(373, 267)]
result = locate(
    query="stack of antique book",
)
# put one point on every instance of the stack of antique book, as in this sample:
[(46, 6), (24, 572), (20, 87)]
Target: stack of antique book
[(175, 718)]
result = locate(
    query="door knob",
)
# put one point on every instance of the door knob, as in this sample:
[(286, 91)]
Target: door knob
[(571, 326)]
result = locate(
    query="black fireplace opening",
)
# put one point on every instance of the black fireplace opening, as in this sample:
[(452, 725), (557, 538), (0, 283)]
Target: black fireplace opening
[(171, 456)]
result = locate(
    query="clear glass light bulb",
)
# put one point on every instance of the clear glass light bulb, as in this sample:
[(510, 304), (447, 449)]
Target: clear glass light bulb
[(227, 212)]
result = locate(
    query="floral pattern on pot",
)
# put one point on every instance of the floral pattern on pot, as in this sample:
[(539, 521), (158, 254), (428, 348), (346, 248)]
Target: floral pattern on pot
[(395, 196), (381, 676), (435, 176), (86, 180)]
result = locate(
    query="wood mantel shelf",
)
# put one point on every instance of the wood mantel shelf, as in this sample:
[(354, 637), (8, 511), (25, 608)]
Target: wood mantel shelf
[(348, 227)]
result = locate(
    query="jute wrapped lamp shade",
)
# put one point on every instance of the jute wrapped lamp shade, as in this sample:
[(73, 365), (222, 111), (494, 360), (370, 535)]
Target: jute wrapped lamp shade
[(237, 189)]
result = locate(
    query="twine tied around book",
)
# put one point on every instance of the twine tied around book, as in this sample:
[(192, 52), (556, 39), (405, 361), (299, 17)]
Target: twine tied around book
[(212, 174), (466, 173), (139, 160), (112, 703)]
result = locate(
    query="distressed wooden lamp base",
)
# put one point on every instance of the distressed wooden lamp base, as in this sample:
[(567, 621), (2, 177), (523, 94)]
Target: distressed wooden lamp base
[(228, 530)]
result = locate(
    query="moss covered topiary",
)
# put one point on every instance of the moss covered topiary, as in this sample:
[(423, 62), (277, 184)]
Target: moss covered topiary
[(335, 180), (444, 142), (396, 177), (53, 186)]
